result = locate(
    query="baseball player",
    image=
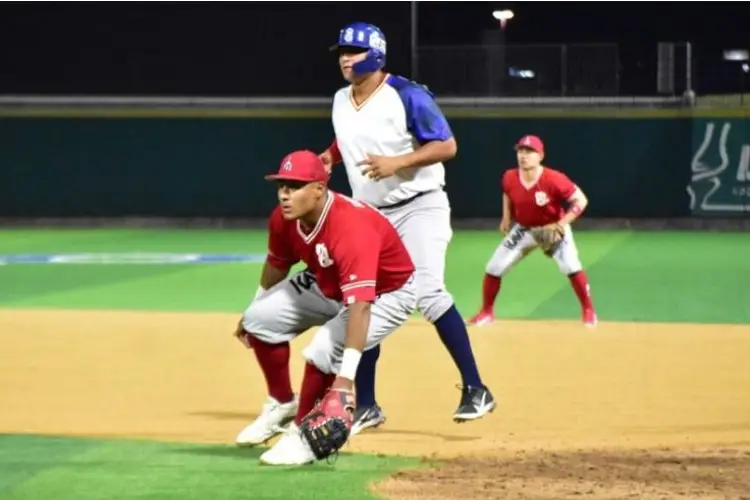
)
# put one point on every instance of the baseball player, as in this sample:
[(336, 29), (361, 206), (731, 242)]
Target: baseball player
[(393, 139), (542, 202), (359, 285)]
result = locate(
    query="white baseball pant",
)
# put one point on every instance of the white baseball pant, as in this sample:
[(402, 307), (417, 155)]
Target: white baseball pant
[(424, 225), (296, 304), (518, 243)]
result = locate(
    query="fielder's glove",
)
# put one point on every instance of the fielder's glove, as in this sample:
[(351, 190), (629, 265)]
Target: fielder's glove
[(548, 237), (326, 428)]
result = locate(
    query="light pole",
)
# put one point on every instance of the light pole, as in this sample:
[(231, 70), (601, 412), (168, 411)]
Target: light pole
[(414, 42), (494, 44), (739, 56)]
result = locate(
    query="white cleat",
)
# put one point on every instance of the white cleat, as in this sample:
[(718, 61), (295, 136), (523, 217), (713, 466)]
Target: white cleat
[(291, 449), (269, 423)]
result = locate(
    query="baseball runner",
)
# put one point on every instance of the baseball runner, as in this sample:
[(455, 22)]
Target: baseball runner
[(542, 202), (393, 139), (358, 286)]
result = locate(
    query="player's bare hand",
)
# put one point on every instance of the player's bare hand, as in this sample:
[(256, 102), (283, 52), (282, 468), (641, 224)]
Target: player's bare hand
[(327, 158), (380, 167), (241, 335), (505, 225)]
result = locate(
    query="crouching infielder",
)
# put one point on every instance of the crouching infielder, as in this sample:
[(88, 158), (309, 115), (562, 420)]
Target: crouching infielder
[(358, 287)]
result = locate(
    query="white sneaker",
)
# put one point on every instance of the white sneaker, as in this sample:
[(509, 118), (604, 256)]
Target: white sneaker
[(291, 449), (269, 423)]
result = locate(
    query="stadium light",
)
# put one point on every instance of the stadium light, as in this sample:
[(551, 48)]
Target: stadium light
[(503, 16)]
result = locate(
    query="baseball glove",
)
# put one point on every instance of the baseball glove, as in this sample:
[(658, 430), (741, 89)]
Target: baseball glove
[(326, 428), (548, 237)]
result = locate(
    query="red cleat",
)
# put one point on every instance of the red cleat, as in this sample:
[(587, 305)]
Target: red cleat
[(482, 318), (589, 318)]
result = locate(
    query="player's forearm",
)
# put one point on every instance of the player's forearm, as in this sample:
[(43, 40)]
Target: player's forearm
[(357, 326), (578, 204), (430, 153), (506, 206), (332, 154), (271, 276), (354, 343)]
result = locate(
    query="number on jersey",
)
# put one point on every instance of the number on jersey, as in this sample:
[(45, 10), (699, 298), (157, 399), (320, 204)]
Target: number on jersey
[(303, 282)]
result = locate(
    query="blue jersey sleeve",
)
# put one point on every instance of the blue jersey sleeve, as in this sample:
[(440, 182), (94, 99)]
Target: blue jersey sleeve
[(424, 119)]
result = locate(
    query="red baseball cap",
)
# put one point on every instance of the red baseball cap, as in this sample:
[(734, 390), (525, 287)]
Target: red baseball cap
[(302, 166), (531, 142)]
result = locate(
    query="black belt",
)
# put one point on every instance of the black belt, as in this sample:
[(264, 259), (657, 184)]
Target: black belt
[(401, 203)]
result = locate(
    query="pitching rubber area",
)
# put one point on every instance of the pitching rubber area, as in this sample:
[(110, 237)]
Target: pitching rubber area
[(644, 409)]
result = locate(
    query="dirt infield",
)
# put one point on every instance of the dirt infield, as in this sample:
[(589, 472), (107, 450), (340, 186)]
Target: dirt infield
[(622, 411), (699, 473)]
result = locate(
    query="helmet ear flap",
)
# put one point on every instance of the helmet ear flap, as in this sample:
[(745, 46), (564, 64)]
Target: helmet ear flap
[(373, 61)]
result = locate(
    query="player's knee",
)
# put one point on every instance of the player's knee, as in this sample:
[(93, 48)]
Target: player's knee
[(568, 268), (496, 268), (433, 302), (325, 358), (258, 321)]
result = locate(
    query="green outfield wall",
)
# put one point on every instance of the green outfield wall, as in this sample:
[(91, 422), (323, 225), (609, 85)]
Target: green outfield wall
[(210, 163)]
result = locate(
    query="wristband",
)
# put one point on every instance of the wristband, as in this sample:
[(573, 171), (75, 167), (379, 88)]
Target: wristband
[(350, 363), (575, 209)]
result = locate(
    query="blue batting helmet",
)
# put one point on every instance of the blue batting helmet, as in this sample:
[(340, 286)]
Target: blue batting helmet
[(364, 36)]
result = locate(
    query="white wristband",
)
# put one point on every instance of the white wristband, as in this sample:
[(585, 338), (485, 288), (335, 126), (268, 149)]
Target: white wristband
[(350, 363), (260, 292)]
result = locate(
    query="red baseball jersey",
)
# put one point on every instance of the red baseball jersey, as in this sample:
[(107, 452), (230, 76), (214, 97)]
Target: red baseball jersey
[(354, 251), (542, 202)]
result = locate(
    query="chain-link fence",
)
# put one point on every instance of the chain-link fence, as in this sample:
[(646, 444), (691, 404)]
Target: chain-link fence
[(558, 70), (571, 70)]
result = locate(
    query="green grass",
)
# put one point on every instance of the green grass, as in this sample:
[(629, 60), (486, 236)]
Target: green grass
[(677, 277), (35, 467)]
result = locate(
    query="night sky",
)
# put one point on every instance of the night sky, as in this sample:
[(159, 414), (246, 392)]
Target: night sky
[(254, 48)]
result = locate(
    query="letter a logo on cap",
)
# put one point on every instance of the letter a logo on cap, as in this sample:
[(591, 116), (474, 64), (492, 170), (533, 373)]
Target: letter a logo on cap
[(527, 141), (287, 167)]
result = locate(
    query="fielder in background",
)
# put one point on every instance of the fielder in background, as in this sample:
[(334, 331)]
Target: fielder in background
[(360, 289), (542, 203), (393, 139)]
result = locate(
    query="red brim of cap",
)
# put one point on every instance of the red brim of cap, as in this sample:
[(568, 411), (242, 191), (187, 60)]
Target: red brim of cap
[(525, 146), (291, 177)]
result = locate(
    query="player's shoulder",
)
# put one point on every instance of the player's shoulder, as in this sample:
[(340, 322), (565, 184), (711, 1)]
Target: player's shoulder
[(555, 179), (345, 209), (553, 174), (342, 93), (401, 83), (352, 215), (409, 89), (346, 219), (510, 175), (552, 171), (276, 214)]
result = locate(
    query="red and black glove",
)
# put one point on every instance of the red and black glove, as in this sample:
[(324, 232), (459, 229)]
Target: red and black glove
[(326, 428)]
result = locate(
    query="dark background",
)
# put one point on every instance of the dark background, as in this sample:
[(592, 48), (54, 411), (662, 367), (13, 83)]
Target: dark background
[(248, 48)]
